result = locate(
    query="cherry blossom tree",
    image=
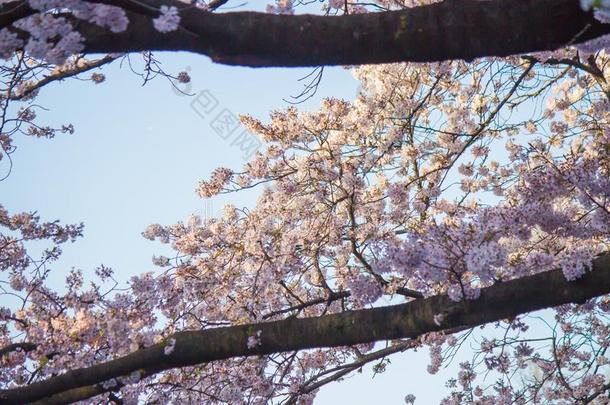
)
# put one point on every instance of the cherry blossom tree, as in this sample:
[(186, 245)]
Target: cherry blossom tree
[(447, 195)]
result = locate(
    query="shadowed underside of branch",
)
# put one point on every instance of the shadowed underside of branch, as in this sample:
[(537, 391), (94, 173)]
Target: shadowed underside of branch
[(410, 320), (456, 29)]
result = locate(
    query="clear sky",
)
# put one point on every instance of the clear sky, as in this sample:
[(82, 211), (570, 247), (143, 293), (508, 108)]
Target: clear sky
[(136, 158)]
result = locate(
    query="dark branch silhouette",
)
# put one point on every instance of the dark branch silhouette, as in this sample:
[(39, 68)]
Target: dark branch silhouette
[(500, 301), (456, 29)]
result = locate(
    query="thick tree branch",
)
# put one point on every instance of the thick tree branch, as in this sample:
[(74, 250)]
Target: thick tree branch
[(410, 320), (25, 346), (456, 29)]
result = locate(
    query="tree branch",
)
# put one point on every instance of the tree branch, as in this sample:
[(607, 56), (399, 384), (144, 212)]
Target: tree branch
[(25, 346), (456, 29), (82, 66), (410, 320)]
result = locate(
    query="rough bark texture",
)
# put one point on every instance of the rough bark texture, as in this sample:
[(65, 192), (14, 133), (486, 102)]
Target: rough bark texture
[(410, 320), (456, 29)]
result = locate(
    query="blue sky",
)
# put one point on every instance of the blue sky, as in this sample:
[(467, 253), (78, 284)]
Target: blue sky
[(136, 158)]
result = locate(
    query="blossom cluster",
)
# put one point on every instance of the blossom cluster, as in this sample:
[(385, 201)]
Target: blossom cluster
[(53, 37), (423, 182)]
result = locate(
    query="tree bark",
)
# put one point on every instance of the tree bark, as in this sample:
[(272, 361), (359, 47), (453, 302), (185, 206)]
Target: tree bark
[(456, 29), (500, 301)]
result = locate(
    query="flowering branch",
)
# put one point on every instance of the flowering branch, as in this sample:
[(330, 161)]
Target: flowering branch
[(500, 301), (81, 66)]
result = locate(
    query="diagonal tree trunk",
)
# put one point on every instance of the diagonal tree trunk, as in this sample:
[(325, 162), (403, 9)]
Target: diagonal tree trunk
[(410, 320), (456, 29)]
